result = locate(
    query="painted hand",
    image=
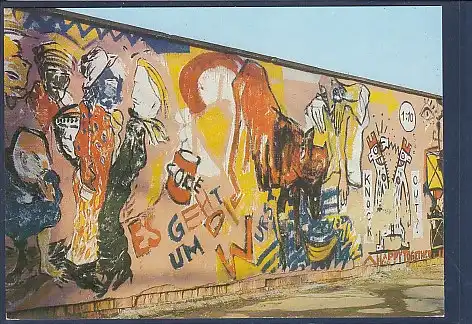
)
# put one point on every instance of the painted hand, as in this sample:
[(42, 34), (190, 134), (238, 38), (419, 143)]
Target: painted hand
[(343, 189), (56, 274), (314, 114)]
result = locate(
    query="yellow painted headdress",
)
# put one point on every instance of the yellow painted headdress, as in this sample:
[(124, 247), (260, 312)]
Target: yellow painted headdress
[(13, 26), (53, 53)]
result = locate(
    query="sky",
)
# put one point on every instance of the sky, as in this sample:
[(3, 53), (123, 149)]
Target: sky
[(396, 45)]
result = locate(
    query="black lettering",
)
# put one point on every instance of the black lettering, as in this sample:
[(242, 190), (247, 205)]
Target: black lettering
[(188, 178), (198, 186), (181, 173), (189, 250), (176, 265), (179, 229), (366, 179), (214, 191)]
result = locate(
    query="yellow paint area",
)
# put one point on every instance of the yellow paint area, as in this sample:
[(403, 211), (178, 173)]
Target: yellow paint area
[(349, 235), (157, 180), (321, 138), (18, 14), (68, 45), (384, 98), (320, 253), (175, 63), (276, 80), (14, 63), (252, 198), (433, 171), (10, 47), (83, 42), (245, 269), (215, 128), (251, 203)]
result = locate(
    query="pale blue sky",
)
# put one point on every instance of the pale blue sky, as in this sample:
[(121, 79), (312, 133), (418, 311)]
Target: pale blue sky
[(397, 45)]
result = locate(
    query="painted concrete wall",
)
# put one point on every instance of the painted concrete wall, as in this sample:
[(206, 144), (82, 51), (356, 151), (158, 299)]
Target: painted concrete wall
[(131, 157)]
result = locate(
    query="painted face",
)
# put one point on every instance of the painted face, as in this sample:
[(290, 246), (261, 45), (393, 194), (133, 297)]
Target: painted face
[(15, 72), (146, 98), (215, 84), (338, 92), (66, 128), (109, 89), (29, 157), (376, 155), (431, 111), (404, 158), (16, 76), (432, 114), (56, 80)]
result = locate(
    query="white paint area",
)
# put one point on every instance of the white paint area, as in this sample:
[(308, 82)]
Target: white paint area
[(184, 119), (417, 205), (215, 84), (146, 99), (368, 202), (354, 162), (407, 116), (207, 167)]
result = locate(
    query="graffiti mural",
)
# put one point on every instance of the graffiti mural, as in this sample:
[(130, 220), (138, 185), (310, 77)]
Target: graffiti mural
[(135, 163)]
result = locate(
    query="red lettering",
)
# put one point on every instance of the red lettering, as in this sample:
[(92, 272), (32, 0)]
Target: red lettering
[(192, 216), (136, 239), (152, 242), (140, 234), (371, 259), (214, 231)]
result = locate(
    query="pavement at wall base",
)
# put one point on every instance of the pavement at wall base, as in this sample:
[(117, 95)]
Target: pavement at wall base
[(397, 293), (400, 292)]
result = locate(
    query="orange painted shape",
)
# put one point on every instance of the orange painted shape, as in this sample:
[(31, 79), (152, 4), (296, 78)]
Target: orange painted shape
[(136, 229), (246, 253), (214, 231)]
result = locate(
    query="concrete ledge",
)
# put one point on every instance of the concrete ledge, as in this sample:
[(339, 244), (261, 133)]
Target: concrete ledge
[(112, 307)]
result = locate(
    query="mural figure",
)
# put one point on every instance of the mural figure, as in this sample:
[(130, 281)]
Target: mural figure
[(16, 71), (432, 113), (66, 126), (205, 83), (16, 68), (340, 112), (49, 94), (377, 157), (283, 155), (402, 191), (94, 148), (32, 199), (149, 100)]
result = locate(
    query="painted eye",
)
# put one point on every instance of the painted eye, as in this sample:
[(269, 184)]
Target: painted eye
[(376, 150), (12, 75), (426, 113)]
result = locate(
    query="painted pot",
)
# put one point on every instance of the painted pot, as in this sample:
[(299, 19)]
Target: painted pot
[(182, 175)]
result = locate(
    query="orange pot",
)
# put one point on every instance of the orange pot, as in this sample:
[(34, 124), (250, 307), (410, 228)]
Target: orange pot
[(181, 180)]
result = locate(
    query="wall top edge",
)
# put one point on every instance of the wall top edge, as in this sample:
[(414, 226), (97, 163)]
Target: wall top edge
[(104, 23)]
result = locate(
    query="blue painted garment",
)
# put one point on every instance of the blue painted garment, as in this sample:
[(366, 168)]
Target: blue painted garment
[(27, 213)]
